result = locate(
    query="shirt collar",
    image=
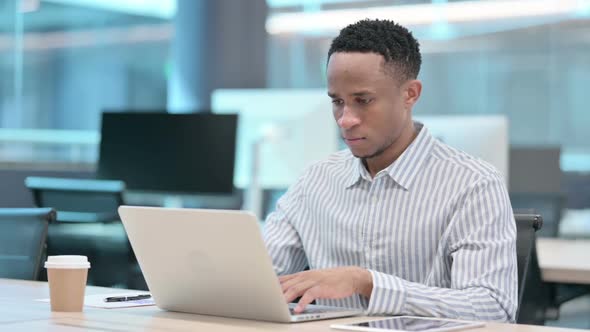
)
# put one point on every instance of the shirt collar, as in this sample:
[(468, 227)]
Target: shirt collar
[(405, 168)]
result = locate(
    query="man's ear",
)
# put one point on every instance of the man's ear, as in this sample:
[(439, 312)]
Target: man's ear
[(413, 89)]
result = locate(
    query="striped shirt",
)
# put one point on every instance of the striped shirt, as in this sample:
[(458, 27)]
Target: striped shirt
[(435, 229)]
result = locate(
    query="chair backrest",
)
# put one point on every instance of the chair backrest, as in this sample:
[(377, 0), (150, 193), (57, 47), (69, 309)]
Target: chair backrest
[(549, 205), (532, 297), (23, 233), (78, 200)]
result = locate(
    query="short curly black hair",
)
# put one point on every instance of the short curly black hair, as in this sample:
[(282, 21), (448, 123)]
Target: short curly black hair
[(394, 42)]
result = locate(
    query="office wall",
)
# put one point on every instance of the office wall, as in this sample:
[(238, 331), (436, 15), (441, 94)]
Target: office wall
[(217, 44), (62, 64), (66, 71)]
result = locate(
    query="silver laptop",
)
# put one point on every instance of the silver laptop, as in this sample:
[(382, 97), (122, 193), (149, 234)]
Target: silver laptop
[(211, 262)]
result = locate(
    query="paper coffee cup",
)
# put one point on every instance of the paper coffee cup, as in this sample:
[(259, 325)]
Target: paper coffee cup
[(67, 282)]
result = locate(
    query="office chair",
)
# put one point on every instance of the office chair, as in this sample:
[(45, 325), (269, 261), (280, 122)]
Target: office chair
[(533, 293), (78, 200), (23, 235), (549, 205), (87, 224)]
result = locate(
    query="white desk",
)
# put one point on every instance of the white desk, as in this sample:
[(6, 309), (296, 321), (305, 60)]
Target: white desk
[(18, 312), (566, 261)]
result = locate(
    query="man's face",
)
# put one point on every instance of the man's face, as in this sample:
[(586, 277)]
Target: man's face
[(368, 102)]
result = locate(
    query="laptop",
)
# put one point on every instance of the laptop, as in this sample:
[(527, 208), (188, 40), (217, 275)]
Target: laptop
[(211, 262)]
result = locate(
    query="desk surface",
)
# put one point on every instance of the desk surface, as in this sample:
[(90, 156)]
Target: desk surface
[(18, 312), (564, 260)]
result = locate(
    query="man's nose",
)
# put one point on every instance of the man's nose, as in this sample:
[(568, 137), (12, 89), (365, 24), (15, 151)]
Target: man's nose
[(348, 119)]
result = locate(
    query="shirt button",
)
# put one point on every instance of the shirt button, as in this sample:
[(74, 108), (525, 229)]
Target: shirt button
[(375, 198)]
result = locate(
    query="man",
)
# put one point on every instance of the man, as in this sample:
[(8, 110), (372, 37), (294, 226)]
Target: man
[(400, 223)]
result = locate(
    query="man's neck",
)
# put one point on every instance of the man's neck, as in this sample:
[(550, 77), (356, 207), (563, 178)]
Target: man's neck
[(390, 155)]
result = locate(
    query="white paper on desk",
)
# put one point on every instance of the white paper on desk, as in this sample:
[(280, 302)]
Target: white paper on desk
[(97, 301)]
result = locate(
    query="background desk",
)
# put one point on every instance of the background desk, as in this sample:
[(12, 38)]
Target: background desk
[(564, 261), (18, 312)]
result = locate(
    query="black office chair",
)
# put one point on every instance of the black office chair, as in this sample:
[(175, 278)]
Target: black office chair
[(533, 293), (549, 205), (23, 234), (78, 200), (87, 224)]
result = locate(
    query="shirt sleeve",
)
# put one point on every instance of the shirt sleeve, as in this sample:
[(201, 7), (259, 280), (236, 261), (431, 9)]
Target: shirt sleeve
[(480, 245), (280, 235)]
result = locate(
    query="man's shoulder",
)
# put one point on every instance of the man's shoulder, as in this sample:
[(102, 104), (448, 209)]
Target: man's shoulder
[(337, 161), (342, 158), (463, 162)]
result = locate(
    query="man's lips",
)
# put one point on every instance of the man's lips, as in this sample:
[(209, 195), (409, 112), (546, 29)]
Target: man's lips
[(353, 141)]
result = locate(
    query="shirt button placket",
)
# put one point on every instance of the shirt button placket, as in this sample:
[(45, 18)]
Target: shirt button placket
[(374, 200)]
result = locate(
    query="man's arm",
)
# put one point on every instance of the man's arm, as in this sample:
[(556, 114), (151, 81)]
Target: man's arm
[(481, 245), (280, 236)]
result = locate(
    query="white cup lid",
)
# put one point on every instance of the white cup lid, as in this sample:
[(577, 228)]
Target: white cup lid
[(67, 262)]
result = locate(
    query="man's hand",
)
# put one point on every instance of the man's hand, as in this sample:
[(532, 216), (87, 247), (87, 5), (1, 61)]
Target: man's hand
[(334, 283)]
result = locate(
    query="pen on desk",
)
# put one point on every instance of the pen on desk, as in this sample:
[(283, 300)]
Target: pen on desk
[(127, 298)]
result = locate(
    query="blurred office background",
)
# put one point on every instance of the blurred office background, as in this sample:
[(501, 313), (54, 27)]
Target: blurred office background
[(65, 62)]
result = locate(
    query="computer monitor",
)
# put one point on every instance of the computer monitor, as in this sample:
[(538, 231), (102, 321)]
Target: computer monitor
[(173, 153), (483, 136), (535, 169), (291, 127)]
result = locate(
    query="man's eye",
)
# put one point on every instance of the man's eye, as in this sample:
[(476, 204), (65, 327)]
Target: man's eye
[(364, 101), (337, 101)]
